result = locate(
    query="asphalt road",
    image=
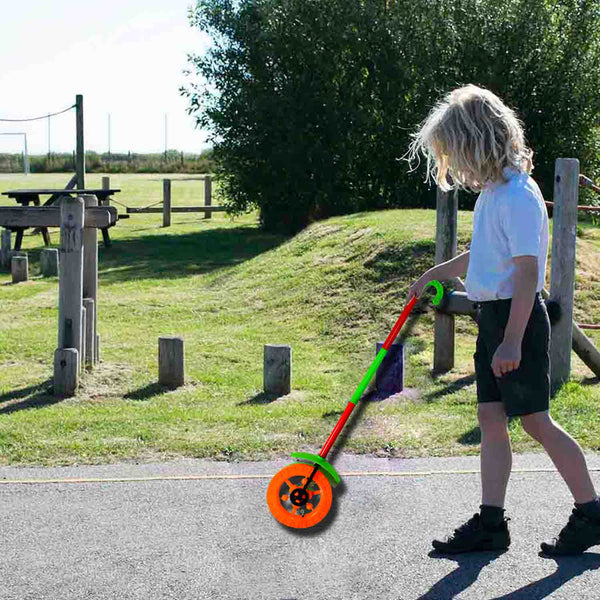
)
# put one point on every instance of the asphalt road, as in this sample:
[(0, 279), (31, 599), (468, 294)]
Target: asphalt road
[(195, 529)]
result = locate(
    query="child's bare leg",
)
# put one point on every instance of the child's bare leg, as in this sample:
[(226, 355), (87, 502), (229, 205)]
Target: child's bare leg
[(565, 453), (496, 452)]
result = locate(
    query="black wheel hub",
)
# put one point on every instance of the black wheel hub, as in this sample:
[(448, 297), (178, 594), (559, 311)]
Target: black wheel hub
[(299, 497)]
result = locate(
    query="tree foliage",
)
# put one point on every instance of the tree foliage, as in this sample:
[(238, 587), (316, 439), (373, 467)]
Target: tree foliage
[(309, 103)]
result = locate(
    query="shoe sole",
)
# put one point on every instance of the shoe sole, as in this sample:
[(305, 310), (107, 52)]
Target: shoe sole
[(550, 551)]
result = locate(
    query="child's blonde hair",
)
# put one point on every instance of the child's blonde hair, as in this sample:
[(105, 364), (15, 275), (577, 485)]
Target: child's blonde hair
[(471, 135)]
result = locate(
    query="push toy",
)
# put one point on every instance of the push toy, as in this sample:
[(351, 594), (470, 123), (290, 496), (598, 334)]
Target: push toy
[(299, 495)]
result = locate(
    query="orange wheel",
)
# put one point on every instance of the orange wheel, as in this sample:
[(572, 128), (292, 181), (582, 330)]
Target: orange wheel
[(294, 477)]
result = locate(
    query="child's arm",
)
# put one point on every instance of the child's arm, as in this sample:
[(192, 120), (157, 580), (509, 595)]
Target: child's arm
[(525, 283), (454, 267), (508, 355)]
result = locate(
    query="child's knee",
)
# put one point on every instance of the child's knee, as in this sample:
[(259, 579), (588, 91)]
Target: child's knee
[(492, 418), (537, 424)]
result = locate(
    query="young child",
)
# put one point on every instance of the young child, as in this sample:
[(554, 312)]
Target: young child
[(475, 138)]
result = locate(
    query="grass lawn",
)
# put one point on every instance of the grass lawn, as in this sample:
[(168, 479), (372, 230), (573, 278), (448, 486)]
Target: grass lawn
[(330, 292)]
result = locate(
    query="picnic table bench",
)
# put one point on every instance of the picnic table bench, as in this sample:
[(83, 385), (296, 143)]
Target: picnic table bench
[(25, 197)]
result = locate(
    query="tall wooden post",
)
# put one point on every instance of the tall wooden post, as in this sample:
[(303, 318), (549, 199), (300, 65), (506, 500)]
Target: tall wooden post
[(70, 296), (90, 271), (445, 249), (166, 202), (70, 291), (106, 186), (80, 154), (562, 274), (207, 195)]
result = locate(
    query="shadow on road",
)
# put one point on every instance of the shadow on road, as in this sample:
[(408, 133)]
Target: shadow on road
[(467, 572), (569, 567), (470, 566)]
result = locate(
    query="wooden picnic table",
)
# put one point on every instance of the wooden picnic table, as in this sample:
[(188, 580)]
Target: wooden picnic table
[(25, 197)]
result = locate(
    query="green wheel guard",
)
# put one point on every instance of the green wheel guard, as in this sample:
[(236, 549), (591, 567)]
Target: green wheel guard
[(326, 468)]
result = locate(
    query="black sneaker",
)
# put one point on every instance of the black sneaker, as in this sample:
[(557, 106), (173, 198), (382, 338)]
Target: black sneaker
[(474, 537), (576, 536)]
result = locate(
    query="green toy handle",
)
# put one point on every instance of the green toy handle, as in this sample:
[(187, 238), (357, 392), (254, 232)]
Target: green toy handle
[(439, 291)]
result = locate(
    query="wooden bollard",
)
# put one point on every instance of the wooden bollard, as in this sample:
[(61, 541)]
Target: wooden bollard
[(166, 202), (97, 349), (66, 376), (170, 361), (389, 378), (19, 268), (277, 371), (49, 262), (83, 340), (5, 248), (88, 305)]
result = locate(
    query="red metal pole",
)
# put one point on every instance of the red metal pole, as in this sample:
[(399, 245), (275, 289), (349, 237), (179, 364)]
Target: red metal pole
[(336, 430), (350, 406)]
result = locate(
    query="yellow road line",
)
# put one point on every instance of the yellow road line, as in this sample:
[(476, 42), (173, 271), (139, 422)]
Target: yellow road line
[(268, 476)]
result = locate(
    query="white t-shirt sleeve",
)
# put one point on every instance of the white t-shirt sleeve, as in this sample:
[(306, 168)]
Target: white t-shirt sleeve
[(521, 220)]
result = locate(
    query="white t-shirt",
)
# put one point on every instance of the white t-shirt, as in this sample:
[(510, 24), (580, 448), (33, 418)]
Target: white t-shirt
[(510, 220)]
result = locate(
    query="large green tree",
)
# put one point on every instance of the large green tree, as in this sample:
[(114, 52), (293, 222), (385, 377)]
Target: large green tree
[(309, 103)]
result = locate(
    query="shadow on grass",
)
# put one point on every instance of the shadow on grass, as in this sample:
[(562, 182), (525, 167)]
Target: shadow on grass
[(411, 259), (452, 387), (33, 396), (471, 437), (260, 398), (147, 392), (174, 255)]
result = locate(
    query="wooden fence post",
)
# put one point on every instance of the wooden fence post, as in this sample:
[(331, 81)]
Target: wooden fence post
[(106, 186), (166, 202), (445, 249), (80, 157), (562, 275), (207, 195)]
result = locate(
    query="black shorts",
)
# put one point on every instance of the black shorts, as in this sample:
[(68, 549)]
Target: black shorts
[(526, 389)]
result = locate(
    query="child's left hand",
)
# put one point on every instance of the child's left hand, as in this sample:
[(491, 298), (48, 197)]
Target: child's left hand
[(506, 358)]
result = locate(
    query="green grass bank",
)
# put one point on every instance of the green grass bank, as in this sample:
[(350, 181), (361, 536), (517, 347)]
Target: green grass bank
[(330, 292)]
